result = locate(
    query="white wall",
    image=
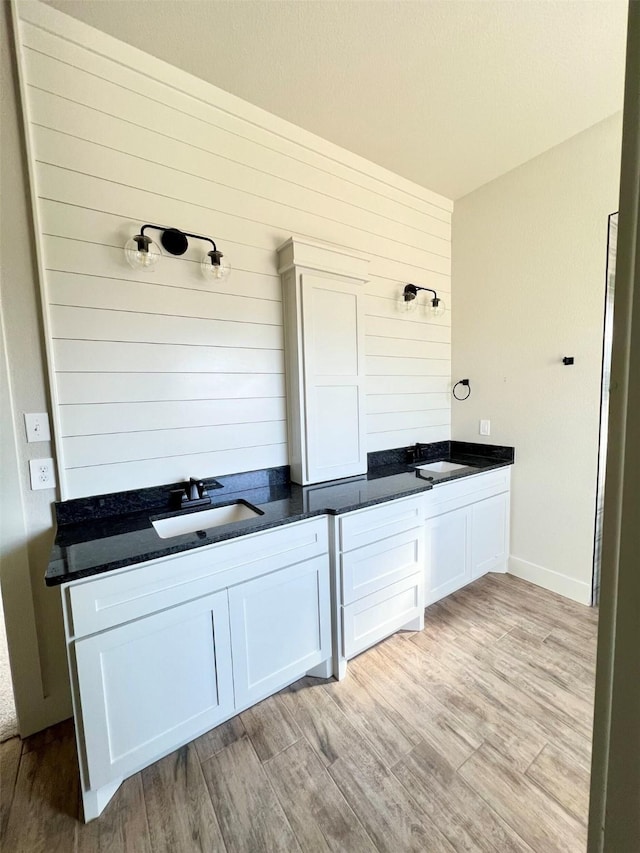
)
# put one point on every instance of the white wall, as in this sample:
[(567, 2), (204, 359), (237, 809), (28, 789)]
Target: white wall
[(32, 611), (160, 376), (529, 274)]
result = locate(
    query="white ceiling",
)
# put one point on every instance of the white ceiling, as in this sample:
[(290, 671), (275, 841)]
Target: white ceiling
[(447, 93)]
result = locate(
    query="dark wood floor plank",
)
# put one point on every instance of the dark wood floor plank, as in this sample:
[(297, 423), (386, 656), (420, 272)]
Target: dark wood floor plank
[(318, 813), (251, 818), (122, 827), (10, 751), (215, 740), (458, 811), (270, 727), (532, 814), (564, 778), (179, 809), (44, 811)]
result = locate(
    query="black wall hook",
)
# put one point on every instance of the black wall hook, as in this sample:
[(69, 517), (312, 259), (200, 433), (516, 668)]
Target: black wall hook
[(568, 359)]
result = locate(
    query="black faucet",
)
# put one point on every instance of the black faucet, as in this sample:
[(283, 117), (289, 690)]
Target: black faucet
[(414, 454), (194, 493)]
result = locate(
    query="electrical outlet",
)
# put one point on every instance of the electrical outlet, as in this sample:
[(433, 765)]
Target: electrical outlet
[(485, 427), (43, 475), (37, 427)]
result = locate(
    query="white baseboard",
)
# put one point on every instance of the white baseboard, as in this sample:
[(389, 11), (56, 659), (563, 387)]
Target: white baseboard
[(579, 591)]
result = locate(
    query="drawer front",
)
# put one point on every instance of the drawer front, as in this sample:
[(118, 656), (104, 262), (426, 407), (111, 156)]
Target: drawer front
[(96, 604), (382, 563), (458, 493), (365, 526), (371, 619)]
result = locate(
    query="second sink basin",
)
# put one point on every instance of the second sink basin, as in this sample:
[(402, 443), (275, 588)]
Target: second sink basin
[(441, 467), (178, 525)]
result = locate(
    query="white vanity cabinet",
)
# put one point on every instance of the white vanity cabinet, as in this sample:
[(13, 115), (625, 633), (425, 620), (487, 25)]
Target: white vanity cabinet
[(379, 554), (325, 361), (163, 651), (467, 531), (151, 684)]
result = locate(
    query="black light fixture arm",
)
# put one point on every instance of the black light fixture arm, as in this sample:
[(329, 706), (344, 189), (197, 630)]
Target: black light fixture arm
[(173, 240), (411, 291)]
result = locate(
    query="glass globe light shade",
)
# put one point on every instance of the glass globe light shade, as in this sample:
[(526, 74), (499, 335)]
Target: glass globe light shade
[(141, 253), (215, 271), (407, 305), (437, 309)]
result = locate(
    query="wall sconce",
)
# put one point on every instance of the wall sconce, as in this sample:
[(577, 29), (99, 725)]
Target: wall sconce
[(142, 253), (436, 306)]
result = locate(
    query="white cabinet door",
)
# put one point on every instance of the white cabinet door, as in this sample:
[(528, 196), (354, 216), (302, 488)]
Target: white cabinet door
[(334, 374), (489, 538), (448, 539), (153, 684), (280, 628)]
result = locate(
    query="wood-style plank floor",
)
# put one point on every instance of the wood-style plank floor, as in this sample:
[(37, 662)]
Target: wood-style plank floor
[(473, 735)]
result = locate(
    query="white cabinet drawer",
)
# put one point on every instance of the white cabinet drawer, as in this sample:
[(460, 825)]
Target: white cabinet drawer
[(445, 497), (96, 604), (382, 563), (378, 522), (371, 619)]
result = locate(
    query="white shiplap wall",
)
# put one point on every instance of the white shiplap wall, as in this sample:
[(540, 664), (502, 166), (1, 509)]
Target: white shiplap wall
[(160, 376)]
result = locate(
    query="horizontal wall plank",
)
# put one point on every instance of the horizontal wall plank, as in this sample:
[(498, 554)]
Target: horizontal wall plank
[(103, 479), (396, 421), (410, 329), (150, 297), (404, 348), (82, 451), (138, 417), (383, 366), (100, 388), (404, 438), (217, 108), (378, 404), (98, 324), (119, 357), (385, 385)]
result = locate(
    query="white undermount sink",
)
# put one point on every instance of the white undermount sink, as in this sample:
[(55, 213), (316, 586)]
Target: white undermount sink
[(178, 525), (441, 467)]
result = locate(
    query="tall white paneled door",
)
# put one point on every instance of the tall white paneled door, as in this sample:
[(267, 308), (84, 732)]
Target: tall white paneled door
[(149, 684)]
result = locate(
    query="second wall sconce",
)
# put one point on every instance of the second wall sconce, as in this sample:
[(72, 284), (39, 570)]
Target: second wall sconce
[(142, 253), (436, 306)]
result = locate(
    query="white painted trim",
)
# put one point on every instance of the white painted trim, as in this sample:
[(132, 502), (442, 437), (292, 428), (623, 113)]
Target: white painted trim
[(100, 43), (15, 579), (579, 591), (56, 432)]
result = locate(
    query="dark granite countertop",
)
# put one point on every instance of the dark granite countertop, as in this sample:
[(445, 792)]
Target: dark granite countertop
[(107, 532)]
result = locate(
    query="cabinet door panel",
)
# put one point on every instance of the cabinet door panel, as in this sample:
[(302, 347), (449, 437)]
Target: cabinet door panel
[(150, 685), (489, 537), (333, 342), (448, 559), (280, 628)]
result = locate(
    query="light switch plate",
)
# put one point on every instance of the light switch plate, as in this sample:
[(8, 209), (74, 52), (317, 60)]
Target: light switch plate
[(37, 427), (43, 474), (485, 427)]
